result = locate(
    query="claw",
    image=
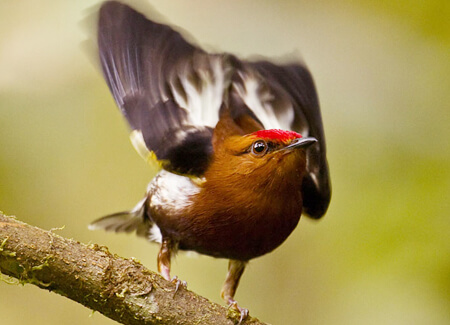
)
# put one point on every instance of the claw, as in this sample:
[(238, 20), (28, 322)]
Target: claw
[(243, 311), (244, 315), (178, 283)]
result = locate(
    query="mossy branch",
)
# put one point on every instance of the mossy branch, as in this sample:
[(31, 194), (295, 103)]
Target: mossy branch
[(121, 289)]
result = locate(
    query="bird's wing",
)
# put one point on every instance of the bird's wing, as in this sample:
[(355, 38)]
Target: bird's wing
[(172, 92), (284, 96), (169, 91)]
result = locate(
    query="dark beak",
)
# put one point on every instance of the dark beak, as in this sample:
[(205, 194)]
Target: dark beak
[(301, 143)]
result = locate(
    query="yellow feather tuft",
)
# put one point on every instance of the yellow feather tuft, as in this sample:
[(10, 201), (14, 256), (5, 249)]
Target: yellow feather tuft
[(138, 142)]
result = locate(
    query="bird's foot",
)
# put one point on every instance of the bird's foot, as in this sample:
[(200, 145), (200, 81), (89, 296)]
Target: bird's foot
[(178, 283), (242, 311)]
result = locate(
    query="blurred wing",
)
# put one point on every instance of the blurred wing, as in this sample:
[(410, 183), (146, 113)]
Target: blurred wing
[(288, 95), (168, 90), (172, 93)]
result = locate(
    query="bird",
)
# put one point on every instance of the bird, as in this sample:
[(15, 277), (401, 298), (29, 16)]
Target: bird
[(239, 143)]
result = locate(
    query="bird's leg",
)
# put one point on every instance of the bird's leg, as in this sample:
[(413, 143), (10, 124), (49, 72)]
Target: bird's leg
[(235, 270), (164, 256)]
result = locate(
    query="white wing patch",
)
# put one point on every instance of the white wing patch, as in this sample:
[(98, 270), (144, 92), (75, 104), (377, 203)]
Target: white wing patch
[(286, 117), (203, 101), (260, 102), (213, 84), (250, 93)]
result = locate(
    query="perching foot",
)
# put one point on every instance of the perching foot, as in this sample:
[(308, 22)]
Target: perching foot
[(178, 283), (243, 311)]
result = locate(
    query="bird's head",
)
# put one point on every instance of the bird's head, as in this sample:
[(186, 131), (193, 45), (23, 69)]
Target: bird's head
[(274, 149), (264, 157)]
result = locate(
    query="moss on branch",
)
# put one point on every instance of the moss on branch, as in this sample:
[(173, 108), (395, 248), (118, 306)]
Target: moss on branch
[(119, 288)]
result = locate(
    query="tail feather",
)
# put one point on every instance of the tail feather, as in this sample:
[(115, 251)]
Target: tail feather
[(127, 221)]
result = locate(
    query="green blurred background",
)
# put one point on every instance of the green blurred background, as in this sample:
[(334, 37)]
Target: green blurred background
[(381, 255)]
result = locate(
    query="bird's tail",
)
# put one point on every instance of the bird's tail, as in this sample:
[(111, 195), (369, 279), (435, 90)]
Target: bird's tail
[(127, 221)]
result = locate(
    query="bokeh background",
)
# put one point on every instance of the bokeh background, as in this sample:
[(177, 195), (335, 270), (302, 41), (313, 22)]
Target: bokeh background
[(381, 255)]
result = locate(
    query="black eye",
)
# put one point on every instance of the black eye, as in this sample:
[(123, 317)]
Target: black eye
[(259, 147)]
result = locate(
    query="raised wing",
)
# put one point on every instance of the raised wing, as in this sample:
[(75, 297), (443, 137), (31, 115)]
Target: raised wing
[(296, 106), (172, 93), (162, 85)]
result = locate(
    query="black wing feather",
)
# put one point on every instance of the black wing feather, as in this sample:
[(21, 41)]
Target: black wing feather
[(139, 58), (297, 82), (147, 65)]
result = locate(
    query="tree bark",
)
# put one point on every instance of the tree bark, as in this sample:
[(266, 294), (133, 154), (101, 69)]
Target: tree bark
[(121, 289)]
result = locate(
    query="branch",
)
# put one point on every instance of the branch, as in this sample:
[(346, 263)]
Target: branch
[(121, 289)]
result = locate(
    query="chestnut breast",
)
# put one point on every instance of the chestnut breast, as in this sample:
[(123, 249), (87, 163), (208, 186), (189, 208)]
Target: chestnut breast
[(241, 215)]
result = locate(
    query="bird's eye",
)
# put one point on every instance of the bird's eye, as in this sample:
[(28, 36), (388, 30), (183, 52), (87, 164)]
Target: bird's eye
[(259, 147)]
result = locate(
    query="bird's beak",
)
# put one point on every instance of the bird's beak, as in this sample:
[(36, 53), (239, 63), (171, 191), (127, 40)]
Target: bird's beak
[(301, 143)]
